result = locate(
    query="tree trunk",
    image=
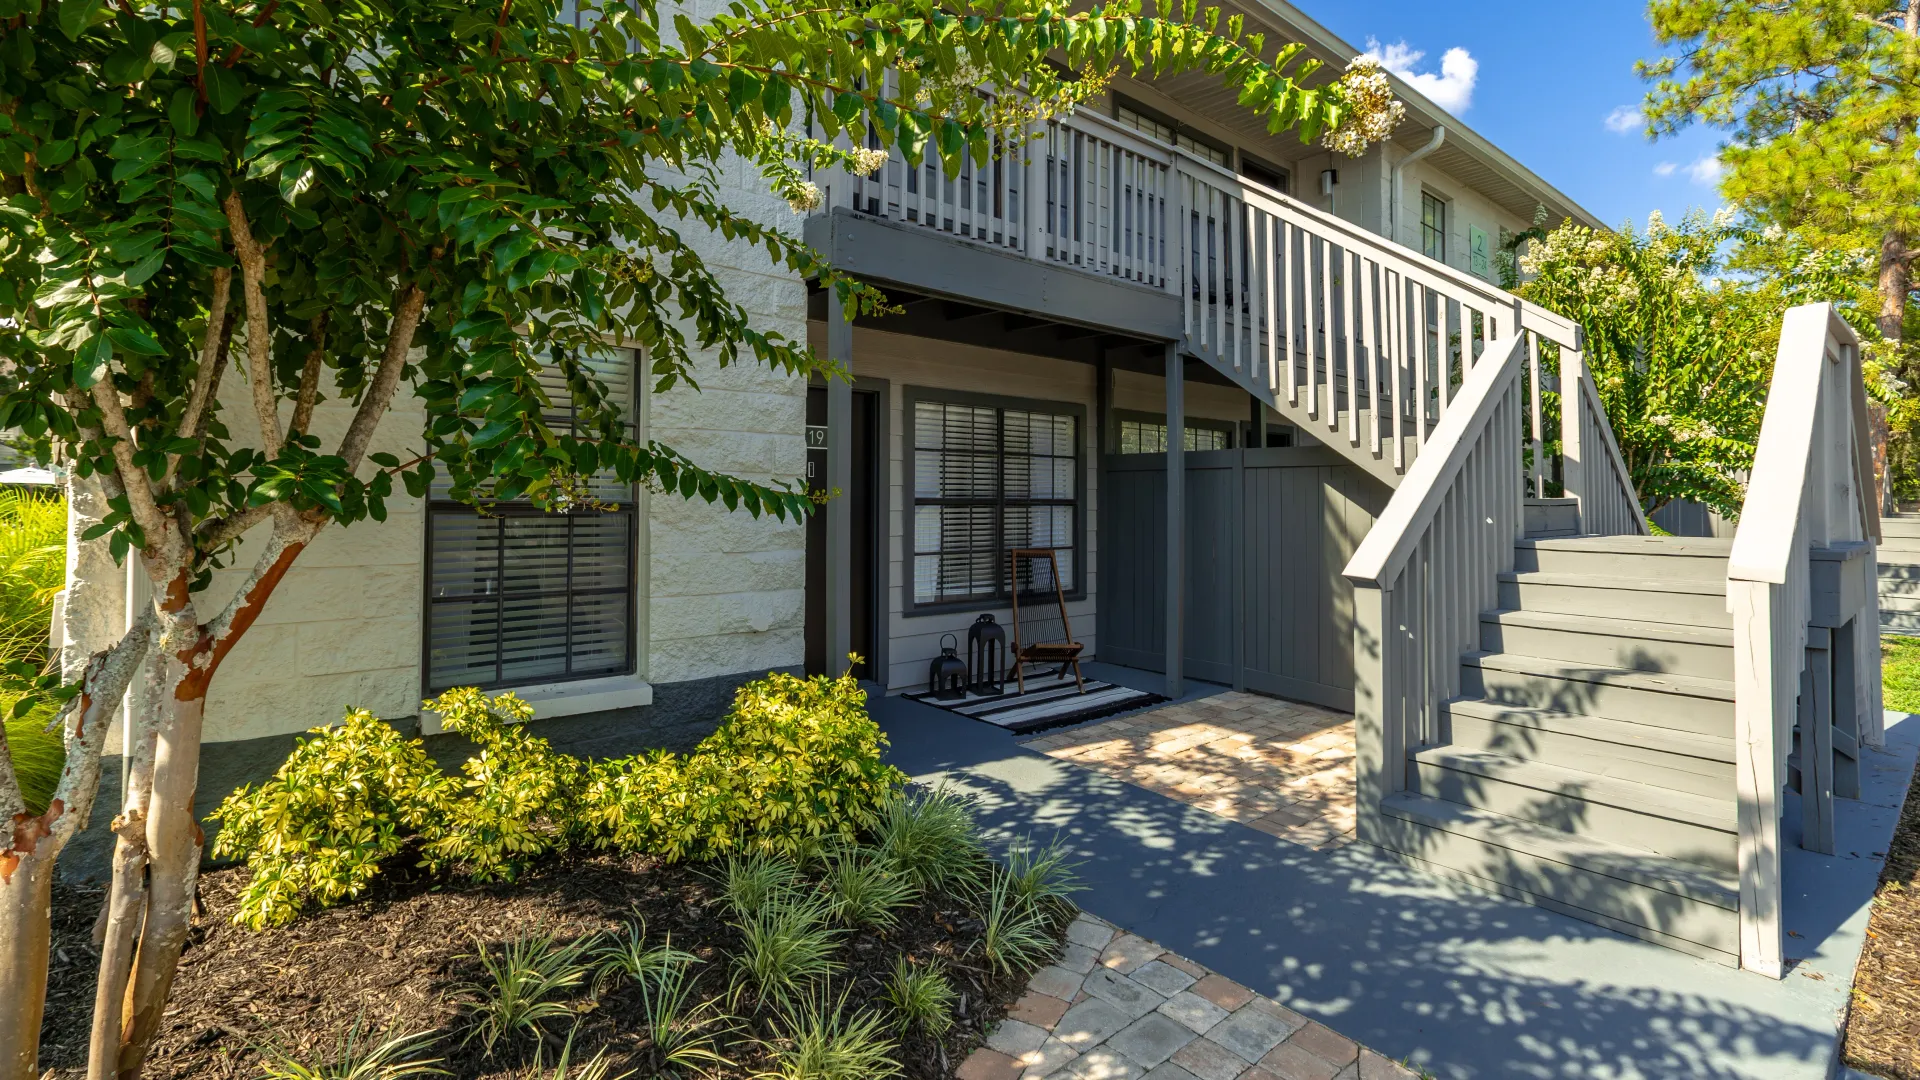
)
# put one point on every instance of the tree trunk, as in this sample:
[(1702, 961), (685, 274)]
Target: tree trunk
[(127, 896), (1895, 279), (174, 844), (26, 921)]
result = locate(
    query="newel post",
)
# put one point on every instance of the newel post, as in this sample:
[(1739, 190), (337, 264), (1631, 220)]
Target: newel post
[(1757, 773), (1375, 746), (1573, 406)]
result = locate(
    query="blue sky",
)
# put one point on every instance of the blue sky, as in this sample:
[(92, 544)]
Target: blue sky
[(1545, 78)]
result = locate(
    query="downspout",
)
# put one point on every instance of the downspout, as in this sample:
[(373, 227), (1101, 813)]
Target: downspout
[(1393, 209)]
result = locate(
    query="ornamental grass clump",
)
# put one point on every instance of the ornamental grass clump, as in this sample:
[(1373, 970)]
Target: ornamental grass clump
[(787, 947), (525, 986), (931, 839), (920, 995), (863, 890)]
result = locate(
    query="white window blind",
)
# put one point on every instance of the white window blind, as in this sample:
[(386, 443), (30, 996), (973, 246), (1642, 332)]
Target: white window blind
[(988, 479), (1147, 437), (517, 595)]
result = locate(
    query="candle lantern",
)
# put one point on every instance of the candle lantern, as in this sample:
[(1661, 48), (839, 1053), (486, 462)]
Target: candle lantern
[(947, 675), (987, 655)]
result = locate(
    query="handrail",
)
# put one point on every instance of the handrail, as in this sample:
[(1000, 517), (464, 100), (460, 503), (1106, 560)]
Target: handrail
[(1550, 325), (1384, 551), (1809, 489)]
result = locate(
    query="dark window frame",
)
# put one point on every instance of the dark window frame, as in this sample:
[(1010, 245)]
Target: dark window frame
[(911, 397), (502, 514), (1428, 232), (1230, 428), (1178, 129)]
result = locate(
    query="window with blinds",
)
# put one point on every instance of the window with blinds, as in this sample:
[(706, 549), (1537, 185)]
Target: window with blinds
[(1147, 437), (987, 479), (519, 596)]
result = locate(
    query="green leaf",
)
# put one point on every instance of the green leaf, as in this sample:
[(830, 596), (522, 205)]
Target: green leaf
[(224, 89), (90, 363), (77, 15)]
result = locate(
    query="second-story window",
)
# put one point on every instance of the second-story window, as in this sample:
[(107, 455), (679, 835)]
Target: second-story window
[(1161, 129), (1433, 226)]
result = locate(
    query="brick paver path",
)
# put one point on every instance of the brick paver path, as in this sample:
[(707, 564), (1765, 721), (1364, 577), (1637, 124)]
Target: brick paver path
[(1278, 766), (1119, 1007)]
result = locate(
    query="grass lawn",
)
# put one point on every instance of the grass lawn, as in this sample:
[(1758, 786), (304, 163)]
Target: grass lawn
[(1883, 1029)]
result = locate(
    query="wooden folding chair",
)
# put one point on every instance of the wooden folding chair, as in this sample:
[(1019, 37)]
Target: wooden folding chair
[(1041, 633)]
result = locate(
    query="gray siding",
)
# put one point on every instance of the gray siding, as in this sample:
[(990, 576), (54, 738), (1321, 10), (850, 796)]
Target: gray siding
[(1268, 533)]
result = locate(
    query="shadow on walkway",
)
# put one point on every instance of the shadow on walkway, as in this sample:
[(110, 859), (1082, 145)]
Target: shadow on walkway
[(1463, 984)]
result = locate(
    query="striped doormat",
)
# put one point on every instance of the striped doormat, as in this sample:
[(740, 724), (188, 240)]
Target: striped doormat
[(1049, 702)]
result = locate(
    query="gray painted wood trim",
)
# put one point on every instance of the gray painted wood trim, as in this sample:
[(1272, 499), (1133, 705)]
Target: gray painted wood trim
[(1176, 385), (839, 547), (886, 252)]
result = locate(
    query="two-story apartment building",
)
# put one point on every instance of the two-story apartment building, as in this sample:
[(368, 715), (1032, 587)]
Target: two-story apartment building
[(1042, 299)]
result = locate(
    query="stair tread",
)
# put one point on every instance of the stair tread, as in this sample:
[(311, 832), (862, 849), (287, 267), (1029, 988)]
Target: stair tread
[(1606, 790), (1636, 865), (1704, 546), (1599, 728), (1608, 581), (1667, 682), (1610, 627)]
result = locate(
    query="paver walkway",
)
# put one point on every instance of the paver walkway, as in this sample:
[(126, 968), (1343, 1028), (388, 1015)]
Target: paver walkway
[(1277, 766), (1120, 1007)]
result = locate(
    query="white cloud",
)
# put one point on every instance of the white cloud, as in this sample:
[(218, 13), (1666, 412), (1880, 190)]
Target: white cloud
[(1451, 88), (1706, 170), (1665, 168), (1625, 119)]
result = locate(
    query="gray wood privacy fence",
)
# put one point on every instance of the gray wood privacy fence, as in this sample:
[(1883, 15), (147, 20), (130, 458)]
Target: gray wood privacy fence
[(1268, 533)]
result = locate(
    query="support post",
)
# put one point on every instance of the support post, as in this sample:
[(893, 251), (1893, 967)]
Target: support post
[(1376, 748), (839, 511), (1176, 520)]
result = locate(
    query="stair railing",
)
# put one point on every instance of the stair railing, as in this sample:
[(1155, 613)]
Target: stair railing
[(1428, 567), (1330, 323), (1811, 487)]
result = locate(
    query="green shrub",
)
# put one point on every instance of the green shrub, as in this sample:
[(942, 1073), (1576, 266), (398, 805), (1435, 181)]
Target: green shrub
[(795, 768), (347, 798), (796, 762), (521, 795)]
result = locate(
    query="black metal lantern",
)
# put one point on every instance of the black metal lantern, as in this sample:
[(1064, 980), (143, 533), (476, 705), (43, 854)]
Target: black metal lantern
[(947, 675), (987, 655)]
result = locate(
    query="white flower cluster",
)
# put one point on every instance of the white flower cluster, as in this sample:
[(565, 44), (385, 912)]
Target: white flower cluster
[(804, 197), (867, 160), (1372, 110)]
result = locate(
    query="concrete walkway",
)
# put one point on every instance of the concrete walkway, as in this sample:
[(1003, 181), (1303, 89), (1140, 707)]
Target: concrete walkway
[(1459, 983)]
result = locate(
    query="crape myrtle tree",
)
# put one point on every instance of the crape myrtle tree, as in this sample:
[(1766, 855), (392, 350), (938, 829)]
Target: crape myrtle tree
[(358, 199)]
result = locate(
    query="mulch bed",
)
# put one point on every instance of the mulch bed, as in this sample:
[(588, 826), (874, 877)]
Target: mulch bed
[(392, 962), (1883, 1026)]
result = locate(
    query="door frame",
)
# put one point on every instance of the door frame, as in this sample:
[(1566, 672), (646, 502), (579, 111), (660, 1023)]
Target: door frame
[(882, 475)]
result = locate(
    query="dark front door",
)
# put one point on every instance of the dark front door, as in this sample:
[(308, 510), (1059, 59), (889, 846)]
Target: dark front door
[(863, 508)]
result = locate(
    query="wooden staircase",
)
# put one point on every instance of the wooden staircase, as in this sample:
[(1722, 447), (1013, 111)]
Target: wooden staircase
[(1587, 764)]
